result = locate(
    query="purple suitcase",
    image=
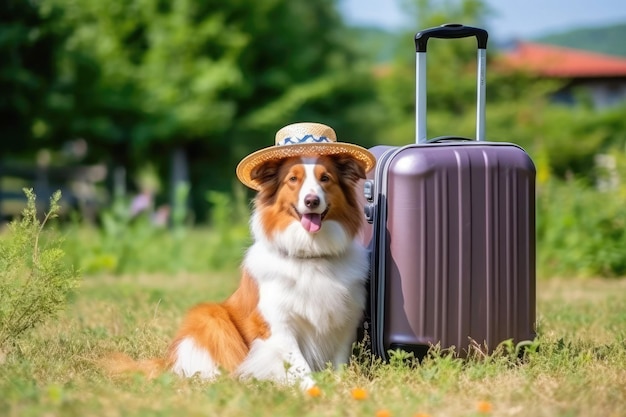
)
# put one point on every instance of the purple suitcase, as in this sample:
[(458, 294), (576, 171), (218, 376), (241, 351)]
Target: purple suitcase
[(452, 234)]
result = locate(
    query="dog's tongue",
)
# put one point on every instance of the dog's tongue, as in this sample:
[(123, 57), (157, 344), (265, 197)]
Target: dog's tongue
[(312, 222)]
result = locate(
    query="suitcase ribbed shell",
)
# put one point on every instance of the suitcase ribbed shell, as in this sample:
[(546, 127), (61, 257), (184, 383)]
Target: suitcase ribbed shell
[(453, 249)]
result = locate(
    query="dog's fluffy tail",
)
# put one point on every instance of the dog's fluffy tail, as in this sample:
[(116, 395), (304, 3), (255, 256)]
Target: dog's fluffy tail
[(119, 364)]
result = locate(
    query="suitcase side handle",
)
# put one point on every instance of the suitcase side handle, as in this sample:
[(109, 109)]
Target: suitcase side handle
[(449, 31)]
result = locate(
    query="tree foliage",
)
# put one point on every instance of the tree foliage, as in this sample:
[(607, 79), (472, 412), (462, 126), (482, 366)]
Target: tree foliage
[(28, 75), (137, 79)]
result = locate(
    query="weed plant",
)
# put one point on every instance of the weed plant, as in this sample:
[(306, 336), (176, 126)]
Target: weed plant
[(35, 279)]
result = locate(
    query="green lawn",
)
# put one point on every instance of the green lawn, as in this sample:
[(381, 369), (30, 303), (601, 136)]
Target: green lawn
[(579, 369)]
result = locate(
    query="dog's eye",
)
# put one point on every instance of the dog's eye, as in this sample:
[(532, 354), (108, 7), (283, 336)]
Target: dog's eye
[(293, 178), (324, 178)]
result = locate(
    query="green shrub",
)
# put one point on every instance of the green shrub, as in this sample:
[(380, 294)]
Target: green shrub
[(581, 231), (35, 278)]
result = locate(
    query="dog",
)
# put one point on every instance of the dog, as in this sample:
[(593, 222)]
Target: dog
[(302, 290)]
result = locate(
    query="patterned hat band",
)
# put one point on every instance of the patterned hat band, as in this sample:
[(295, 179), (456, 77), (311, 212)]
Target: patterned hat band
[(305, 139)]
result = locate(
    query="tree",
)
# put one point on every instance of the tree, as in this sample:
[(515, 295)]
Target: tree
[(140, 79), (27, 74)]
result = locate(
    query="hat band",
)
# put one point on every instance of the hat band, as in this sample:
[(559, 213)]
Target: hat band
[(304, 139)]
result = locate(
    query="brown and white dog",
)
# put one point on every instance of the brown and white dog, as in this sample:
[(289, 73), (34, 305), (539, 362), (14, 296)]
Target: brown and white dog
[(302, 290)]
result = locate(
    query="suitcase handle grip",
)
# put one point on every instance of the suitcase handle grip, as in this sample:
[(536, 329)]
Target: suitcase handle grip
[(450, 31)]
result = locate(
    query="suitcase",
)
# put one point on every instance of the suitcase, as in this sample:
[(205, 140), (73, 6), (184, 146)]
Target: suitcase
[(451, 230)]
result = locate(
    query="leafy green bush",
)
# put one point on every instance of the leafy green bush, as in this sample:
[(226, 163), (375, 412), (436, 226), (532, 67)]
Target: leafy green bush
[(35, 278), (581, 230)]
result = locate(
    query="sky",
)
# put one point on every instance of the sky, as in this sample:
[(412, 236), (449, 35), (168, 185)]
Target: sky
[(512, 19)]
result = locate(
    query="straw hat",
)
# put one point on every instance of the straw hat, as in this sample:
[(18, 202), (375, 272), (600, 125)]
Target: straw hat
[(302, 139)]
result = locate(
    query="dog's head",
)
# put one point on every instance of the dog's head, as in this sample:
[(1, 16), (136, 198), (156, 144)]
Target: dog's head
[(307, 206)]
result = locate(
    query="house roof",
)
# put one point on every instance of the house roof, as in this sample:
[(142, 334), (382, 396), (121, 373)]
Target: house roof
[(553, 61)]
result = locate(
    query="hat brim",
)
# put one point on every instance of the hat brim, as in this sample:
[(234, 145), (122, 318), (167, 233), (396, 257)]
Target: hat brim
[(274, 153)]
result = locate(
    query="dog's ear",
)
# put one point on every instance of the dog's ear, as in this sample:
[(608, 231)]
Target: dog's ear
[(349, 167), (265, 173)]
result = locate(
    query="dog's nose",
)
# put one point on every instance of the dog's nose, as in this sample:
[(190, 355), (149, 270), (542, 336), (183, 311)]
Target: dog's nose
[(311, 201)]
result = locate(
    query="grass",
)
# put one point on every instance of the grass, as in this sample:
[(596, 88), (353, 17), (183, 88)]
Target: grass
[(579, 369)]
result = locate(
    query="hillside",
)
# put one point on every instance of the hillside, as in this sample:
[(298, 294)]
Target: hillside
[(607, 39), (382, 45)]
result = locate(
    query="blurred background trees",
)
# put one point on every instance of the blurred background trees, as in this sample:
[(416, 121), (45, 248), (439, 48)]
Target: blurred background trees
[(143, 80), (184, 89)]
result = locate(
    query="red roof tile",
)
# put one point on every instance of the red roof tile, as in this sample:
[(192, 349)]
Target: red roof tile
[(553, 61)]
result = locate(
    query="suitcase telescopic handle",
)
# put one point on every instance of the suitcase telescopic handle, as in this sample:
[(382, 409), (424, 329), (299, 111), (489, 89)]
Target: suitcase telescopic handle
[(448, 31)]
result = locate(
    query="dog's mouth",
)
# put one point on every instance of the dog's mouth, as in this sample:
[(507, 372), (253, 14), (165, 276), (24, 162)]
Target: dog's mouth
[(312, 222)]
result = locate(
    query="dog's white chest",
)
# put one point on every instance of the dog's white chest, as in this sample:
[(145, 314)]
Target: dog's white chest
[(312, 298), (321, 293)]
